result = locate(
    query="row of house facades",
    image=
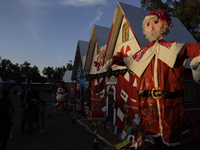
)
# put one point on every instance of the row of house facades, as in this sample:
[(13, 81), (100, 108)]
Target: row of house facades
[(114, 91)]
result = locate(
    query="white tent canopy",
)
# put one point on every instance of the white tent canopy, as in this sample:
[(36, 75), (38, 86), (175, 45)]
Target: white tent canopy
[(1, 81), (67, 76)]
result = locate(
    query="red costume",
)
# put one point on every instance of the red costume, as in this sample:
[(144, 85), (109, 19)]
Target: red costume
[(167, 110), (160, 71)]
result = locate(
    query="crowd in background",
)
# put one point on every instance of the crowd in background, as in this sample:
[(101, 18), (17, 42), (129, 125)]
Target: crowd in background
[(32, 111)]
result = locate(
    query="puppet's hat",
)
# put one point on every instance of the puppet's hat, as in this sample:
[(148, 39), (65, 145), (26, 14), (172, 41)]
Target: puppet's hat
[(161, 15)]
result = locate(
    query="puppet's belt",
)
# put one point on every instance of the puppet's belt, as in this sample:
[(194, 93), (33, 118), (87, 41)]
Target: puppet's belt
[(158, 93)]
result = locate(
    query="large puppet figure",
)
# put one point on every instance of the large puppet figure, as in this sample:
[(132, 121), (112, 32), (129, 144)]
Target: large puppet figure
[(160, 71)]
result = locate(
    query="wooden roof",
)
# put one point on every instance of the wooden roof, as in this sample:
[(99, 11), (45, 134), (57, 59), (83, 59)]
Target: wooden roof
[(81, 51), (100, 36)]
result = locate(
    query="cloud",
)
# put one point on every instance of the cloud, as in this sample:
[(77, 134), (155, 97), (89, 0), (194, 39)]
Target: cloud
[(34, 10), (64, 43), (81, 3), (97, 17)]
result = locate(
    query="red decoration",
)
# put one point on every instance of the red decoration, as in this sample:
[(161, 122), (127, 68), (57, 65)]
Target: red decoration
[(124, 53), (97, 64)]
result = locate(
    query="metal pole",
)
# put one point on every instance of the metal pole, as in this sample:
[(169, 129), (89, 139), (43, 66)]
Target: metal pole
[(95, 144), (73, 117)]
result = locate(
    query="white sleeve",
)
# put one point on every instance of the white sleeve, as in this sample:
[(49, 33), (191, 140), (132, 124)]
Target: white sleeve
[(195, 66)]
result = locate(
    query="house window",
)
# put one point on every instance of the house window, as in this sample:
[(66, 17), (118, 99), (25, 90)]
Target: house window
[(189, 92), (125, 33)]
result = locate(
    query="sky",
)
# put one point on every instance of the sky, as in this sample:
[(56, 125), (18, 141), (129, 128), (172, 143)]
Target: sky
[(46, 32)]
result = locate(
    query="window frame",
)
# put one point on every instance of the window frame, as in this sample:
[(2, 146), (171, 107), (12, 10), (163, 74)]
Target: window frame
[(125, 32), (192, 90)]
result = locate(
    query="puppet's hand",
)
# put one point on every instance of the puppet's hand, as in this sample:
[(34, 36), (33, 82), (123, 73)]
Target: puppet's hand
[(195, 66), (115, 60), (195, 63)]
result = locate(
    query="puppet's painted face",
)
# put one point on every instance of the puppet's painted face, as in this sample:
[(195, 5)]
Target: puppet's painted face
[(155, 29), (86, 84), (154, 24)]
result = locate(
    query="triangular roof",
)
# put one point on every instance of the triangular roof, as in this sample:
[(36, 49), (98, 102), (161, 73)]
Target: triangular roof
[(134, 17), (100, 36), (1, 81), (67, 76), (81, 52)]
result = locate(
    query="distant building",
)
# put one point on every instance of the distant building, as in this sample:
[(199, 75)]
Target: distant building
[(69, 84)]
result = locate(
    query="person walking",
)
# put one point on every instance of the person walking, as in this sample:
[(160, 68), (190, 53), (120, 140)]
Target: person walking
[(22, 114), (42, 112), (11, 133), (6, 115), (31, 96), (22, 94), (30, 116)]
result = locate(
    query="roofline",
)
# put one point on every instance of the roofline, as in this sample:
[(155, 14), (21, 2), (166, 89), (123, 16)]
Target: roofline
[(132, 31), (93, 30), (93, 33), (118, 8), (110, 34), (87, 55), (73, 70)]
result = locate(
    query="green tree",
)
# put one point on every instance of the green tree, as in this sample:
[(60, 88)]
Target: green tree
[(187, 11), (6, 69), (59, 73), (35, 74), (19, 73), (69, 66), (25, 70), (153, 5), (16, 73), (48, 72)]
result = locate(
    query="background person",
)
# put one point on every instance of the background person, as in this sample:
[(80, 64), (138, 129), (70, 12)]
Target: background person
[(22, 94), (6, 115), (42, 112), (22, 114)]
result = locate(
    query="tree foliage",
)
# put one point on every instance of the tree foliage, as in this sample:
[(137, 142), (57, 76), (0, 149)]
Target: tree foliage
[(187, 11), (34, 74), (48, 72), (59, 73), (56, 73), (21, 72), (69, 66), (25, 69)]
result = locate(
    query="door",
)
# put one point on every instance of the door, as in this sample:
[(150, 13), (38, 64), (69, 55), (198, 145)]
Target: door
[(110, 104)]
